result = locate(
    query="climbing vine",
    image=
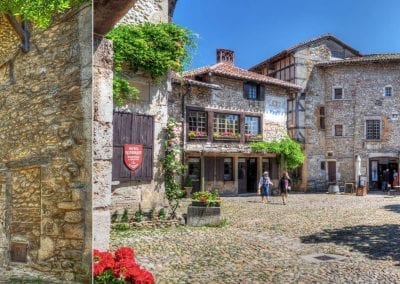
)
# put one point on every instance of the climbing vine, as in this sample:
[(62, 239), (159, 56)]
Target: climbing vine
[(172, 167), (148, 47), (290, 150), (38, 11)]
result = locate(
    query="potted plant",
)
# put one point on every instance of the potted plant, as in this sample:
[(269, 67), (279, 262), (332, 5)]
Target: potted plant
[(197, 134), (188, 185), (206, 199)]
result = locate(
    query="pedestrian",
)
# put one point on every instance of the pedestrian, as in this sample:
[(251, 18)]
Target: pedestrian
[(395, 178), (264, 187), (385, 180), (284, 186)]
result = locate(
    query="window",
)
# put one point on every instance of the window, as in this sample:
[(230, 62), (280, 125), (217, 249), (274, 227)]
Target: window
[(373, 129), (228, 166), (252, 125), (322, 117), (226, 125), (322, 166), (338, 130), (197, 123), (337, 93), (388, 91), (253, 91)]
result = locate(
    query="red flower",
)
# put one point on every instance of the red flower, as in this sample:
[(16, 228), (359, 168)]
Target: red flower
[(145, 277), (124, 253), (102, 261), (126, 269)]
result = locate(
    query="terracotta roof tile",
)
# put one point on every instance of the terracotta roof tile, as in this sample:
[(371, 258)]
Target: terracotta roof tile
[(229, 70)]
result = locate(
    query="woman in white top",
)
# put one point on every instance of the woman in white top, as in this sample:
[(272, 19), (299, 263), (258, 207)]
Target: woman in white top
[(264, 186)]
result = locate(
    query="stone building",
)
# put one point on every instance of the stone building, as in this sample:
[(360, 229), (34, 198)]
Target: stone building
[(117, 188), (222, 108), (45, 138), (353, 115), (344, 97)]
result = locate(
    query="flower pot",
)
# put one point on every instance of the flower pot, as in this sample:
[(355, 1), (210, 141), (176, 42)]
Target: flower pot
[(188, 190), (199, 203)]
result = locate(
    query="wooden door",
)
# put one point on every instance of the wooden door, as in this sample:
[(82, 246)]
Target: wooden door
[(242, 175), (331, 171)]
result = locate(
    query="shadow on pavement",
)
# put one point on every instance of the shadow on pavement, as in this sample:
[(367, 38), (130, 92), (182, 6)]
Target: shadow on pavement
[(377, 242), (394, 208)]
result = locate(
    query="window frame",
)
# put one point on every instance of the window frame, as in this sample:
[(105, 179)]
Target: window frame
[(335, 132), (259, 89), (259, 131), (366, 129), (215, 130), (320, 117), (391, 91), (334, 95), (188, 111)]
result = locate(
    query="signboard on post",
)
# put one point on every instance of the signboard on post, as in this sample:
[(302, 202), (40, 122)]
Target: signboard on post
[(133, 155)]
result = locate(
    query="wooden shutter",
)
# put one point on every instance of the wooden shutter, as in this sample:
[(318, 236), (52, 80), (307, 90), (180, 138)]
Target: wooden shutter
[(209, 168), (261, 92), (245, 90), (132, 128), (219, 168)]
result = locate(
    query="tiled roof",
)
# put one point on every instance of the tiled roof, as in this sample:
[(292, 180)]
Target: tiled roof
[(229, 70), (305, 43), (178, 80), (371, 58)]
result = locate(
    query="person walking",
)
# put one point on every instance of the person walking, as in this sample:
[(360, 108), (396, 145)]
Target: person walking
[(385, 180), (395, 178), (284, 186), (264, 187)]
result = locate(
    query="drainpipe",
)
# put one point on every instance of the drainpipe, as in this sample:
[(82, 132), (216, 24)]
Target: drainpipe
[(202, 170)]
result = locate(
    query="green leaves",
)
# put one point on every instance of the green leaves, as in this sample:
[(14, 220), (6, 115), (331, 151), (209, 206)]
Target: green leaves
[(288, 148), (123, 91), (153, 48), (39, 12)]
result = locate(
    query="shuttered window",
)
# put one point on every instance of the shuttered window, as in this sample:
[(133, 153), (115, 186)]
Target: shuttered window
[(252, 91), (129, 128)]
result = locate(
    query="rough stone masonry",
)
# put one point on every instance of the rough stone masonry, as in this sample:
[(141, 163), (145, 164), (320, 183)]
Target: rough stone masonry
[(45, 138)]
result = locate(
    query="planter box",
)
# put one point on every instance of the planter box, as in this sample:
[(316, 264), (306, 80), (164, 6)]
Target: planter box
[(227, 139), (200, 215)]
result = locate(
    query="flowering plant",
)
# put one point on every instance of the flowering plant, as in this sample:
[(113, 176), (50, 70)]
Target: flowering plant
[(208, 198), (194, 134), (119, 268), (226, 134)]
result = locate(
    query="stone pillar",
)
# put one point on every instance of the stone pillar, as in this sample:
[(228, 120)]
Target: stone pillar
[(102, 141)]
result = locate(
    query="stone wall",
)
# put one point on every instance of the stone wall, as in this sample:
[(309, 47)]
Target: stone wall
[(45, 138), (363, 88), (139, 194), (102, 141), (153, 11)]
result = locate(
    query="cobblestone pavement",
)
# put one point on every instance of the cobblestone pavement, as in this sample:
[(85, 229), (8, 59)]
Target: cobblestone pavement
[(357, 237)]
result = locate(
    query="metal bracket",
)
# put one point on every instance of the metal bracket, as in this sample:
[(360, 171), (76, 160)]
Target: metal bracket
[(22, 30)]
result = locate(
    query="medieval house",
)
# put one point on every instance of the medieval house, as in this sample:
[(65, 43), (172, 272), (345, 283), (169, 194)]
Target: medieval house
[(223, 108), (45, 138), (345, 111)]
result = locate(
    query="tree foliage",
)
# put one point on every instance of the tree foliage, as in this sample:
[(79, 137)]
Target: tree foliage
[(39, 12), (290, 150), (152, 48)]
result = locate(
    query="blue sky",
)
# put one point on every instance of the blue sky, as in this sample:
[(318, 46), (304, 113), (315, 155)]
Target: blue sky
[(257, 29)]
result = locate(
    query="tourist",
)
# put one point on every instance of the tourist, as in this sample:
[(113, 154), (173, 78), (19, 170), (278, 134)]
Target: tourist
[(284, 186), (385, 180), (264, 187), (395, 178)]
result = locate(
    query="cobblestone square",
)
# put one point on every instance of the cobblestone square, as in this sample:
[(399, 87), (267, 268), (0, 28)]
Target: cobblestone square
[(315, 238)]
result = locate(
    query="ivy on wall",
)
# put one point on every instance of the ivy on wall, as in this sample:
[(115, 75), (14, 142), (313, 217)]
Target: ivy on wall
[(172, 167), (290, 150), (40, 12), (152, 48)]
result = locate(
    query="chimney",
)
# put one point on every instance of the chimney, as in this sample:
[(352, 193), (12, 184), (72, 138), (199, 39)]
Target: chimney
[(225, 56)]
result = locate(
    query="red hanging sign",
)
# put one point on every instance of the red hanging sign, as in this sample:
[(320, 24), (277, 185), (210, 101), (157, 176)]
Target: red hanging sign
[(133, 155)]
